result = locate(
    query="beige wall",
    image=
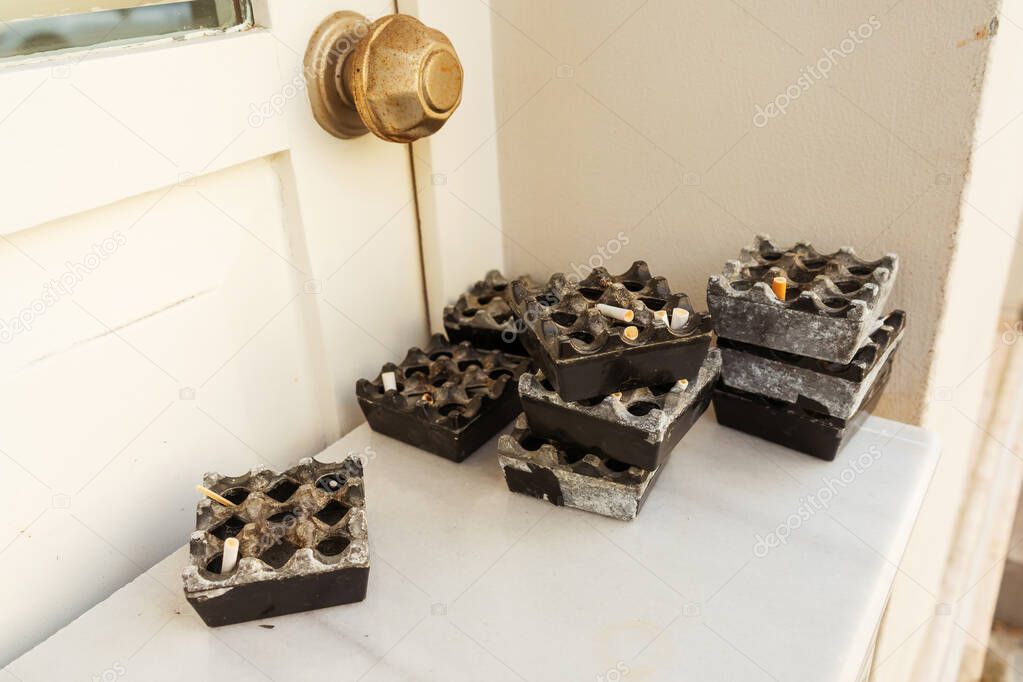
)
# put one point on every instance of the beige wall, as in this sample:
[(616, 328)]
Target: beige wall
[(638, 117)]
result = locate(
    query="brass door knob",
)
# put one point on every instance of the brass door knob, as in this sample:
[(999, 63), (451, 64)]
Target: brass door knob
[(394, 77)]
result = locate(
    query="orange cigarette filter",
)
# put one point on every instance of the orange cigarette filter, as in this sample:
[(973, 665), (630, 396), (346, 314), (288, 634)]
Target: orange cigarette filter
[(779, 285)]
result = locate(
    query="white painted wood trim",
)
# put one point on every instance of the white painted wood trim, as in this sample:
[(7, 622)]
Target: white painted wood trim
[(93, 129), (956, 643), (456, 170)]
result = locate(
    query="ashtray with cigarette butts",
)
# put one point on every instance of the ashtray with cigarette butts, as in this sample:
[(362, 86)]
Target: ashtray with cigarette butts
[(800, 301), (639, 426), (567, 475), (482, 316), (447, 398), (268, 543), (609, 333)]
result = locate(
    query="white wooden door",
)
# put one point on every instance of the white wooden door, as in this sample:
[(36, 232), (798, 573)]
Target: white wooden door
[(192, 277)]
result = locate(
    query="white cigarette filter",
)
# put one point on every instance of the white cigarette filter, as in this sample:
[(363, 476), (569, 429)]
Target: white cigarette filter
[(616, 313), (230, 558), (660, 317), (390, 383), (679, 318), (631, 333)]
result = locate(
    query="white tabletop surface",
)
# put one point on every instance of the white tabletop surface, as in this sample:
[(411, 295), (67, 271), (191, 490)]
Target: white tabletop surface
[(471, 582)]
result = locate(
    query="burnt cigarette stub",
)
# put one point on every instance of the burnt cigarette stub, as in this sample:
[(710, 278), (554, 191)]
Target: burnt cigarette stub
[(215, 497), (679, 318), (390, 383), (230, 557), (616, 313), (779, 285), (631, 333)]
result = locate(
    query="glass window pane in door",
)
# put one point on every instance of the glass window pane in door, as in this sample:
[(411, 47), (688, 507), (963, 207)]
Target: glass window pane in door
[(34, 26)]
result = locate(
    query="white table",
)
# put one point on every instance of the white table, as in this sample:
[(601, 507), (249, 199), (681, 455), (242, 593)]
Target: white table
[(471, 582)]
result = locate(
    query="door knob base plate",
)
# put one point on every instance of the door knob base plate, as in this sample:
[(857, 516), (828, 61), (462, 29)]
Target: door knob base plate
[(332, 42)]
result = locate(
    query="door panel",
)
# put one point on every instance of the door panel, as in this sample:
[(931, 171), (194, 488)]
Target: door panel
[(99, 125), (256, 268), (183, 351), (370, 272)]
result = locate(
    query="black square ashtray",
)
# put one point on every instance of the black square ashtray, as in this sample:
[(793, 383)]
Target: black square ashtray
[(832, 389), (813, 433), (585, 353), (569, 476), (448, 398), (832, 301), (482, 316), (640, 426), (302, 539)]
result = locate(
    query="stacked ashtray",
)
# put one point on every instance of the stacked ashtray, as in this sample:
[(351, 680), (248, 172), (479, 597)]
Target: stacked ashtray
[(483, 317), (624, 372), (805, 350)]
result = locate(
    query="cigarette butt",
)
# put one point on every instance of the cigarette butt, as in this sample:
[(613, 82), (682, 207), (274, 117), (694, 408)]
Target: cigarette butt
[(779, 285), (631, 333), (616, 313), (215, 497), (230, 558), (684, 383), (660, 317), (679, 318), (617, 395), (390, 383)]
